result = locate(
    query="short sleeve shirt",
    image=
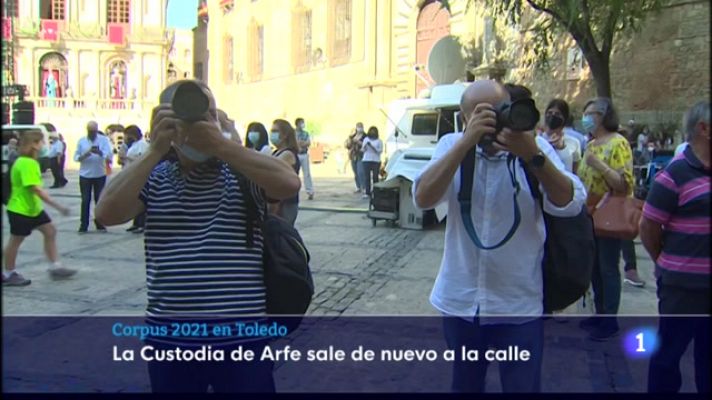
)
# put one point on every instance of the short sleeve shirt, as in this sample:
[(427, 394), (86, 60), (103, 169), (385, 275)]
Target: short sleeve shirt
[(616, 154), (25, 174)]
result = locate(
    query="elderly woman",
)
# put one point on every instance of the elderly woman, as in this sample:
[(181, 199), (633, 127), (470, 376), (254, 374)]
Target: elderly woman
[(607, 166)]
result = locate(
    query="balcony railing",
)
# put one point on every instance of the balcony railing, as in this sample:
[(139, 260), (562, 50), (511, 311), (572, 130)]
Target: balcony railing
[(92, 103), (27, 27)]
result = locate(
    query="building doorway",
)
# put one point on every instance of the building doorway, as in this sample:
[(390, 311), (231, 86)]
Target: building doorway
[(433, 24)]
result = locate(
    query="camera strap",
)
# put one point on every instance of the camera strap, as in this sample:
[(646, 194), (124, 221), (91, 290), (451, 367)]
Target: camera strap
[(467, 173)]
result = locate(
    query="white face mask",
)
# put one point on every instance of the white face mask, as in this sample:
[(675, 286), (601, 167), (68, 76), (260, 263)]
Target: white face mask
[(227, 135)]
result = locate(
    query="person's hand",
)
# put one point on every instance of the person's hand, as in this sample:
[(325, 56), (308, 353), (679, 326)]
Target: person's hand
[(482, 121), (521, 144), (64, 211), (164, 129), (203, 136), (595, 162), (555, 138)]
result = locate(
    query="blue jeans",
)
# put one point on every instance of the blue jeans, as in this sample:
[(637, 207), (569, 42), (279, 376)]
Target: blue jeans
[(606, 278), (514, 376), (357, 168)]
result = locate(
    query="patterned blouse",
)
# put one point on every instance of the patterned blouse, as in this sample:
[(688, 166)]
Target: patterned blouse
[(616, 153)]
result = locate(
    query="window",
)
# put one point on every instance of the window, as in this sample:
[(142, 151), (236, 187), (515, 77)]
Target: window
[(118, 12), (228, 60), (425, 124), (52, 9), (10, 9), (198, 71), (302, 40), (256, 54), (341, 44)]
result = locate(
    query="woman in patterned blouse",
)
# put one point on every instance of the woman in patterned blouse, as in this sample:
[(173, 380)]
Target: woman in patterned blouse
[(607, 166)]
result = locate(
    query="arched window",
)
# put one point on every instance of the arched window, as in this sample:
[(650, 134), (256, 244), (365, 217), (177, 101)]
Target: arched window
[(433, 24), (117, 87), (53, 75)]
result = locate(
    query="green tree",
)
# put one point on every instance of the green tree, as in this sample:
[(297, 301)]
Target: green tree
[(595, 25)]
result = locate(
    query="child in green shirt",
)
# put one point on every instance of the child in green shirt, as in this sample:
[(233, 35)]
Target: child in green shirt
[(25, 211)]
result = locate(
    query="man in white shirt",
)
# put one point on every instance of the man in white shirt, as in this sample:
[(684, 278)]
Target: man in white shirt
[(137, 146), (93, 152), (56, 149), (494, 297)]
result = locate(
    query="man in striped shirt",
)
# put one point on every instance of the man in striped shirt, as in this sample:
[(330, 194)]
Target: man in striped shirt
[(200, 261), (675, 230)]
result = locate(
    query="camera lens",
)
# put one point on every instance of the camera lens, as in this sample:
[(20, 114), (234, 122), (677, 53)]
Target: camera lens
[(523, 115), (190, 103)]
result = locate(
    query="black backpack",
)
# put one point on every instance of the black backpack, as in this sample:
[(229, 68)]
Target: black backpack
[(569, 254), (569, 250), (287, 276)]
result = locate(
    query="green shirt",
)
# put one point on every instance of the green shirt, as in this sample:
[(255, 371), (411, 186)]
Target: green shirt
[(25, 174)]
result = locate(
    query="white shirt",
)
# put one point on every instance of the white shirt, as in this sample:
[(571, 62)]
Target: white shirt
[(506, 281), (570, 154), (642, 140), (136, 150), (93, 166), (582, 139), (369, 154), (56, 149), (266, 150)]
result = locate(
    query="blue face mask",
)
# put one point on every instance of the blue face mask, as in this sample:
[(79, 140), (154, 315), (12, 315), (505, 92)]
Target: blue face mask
[(193, 154), (588, 123), (274, 138), (253, 137), (44, 152)]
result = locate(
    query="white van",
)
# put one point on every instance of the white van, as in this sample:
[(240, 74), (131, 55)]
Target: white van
[(8, 131)]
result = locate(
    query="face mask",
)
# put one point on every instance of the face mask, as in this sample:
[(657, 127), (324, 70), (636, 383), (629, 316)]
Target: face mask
[(554, 121), (227, 135), (588, 123), (359, 130), (192, 154), (253, 137), (274, 138), (44, 151), (92, 134)]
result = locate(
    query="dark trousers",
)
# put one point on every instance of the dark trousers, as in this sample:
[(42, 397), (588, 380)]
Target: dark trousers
[(514, 376), (57, 172), (629, 257), (676, 333), (370, 174), (606, 278), (87, 186), (356, 167), (223, 376)]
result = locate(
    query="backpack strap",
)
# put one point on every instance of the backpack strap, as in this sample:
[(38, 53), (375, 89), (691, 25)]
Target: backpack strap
[(467, 174), (254, 216)]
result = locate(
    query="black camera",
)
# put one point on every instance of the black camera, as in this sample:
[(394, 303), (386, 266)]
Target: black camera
[(519, 115), (190, 102)]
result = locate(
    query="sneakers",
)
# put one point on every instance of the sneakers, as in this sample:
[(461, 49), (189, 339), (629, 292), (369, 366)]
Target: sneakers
[(61, 272), (632, 278), (15, 279), (365, 196), (138, 230), (131, 229)]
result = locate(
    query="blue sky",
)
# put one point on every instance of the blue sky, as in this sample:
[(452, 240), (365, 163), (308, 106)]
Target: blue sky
[(182, 14)]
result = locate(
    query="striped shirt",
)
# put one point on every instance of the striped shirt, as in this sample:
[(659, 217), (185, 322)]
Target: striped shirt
[(680, 200), (198, 262)]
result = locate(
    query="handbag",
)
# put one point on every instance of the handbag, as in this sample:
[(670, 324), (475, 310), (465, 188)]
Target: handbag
[(617, 216)]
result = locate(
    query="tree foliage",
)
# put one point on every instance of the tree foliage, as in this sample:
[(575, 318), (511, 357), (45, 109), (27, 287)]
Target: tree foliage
[(595, 25)]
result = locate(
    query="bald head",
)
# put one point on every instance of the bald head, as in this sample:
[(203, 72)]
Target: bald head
[(483, 91)]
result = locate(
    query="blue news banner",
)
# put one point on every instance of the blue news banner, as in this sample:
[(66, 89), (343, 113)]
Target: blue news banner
[(325, 354)]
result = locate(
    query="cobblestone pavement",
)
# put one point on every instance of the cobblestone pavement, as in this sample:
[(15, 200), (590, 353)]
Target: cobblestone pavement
[(358, 270)]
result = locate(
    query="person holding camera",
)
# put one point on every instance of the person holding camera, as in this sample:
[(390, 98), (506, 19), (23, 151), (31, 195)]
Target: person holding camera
[(480, 289), (203, 257), (93, 153), (607, 167)]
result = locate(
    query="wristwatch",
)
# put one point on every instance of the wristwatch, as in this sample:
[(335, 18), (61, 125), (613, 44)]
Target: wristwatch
[(538, 160)]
